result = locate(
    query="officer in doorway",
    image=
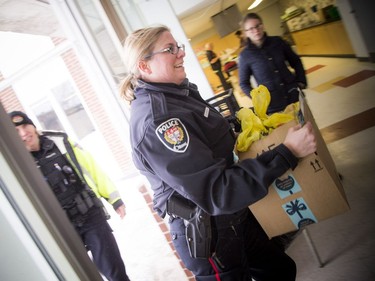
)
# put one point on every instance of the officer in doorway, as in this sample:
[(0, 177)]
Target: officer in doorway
[(77, 183)]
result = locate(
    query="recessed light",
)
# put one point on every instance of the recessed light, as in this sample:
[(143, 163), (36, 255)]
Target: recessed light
[(255, 3)]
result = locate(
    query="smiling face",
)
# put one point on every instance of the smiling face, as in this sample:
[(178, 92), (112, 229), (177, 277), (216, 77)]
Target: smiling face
[(29, 136), (164, 67)]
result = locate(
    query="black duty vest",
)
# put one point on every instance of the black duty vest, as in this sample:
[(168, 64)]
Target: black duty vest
[(75, 197)]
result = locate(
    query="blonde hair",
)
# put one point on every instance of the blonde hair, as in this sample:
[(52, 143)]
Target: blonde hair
[(137, 45)]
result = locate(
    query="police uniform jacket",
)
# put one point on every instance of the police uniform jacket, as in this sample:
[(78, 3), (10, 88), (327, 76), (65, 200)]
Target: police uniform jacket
[(268, 65), (182, 144), (84, 165)]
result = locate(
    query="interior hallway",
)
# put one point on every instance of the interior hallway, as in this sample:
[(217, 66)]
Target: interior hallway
[(341, 96)]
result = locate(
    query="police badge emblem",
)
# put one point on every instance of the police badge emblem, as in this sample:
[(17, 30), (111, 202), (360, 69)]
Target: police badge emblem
[(17, 119), (172, 133)]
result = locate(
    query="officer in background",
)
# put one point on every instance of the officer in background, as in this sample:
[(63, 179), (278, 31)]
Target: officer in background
[(78, 183), (216, 66)]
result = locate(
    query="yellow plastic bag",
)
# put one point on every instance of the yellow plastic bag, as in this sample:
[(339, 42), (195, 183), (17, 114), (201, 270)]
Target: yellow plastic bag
[(255, 125), (261, 99), (245, 140), (252, 128), (277, 119)]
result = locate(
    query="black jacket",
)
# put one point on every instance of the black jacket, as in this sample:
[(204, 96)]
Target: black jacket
[(216, 66), (180, 143), (269, 66)]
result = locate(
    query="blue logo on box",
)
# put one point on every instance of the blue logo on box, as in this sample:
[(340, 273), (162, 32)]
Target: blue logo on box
[(299, 212), (286, 187)]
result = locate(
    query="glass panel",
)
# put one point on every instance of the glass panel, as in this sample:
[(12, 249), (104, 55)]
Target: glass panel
[(129, 14), (102, 36), (73, 108), (47, 116)]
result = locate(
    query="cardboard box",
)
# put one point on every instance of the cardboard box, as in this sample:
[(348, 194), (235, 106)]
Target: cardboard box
[(311, 193)]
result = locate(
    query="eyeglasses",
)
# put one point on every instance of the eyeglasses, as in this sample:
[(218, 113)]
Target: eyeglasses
[(257, 27), (172, 49)]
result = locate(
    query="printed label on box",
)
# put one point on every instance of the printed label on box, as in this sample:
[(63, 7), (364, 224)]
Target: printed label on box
[(286, 187), (299, 212), (316, 165)]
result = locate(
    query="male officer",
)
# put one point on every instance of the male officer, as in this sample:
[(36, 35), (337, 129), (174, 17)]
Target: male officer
[(77, 182)]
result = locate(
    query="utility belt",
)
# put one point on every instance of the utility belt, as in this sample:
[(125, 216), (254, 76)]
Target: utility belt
[(81, 203), (78, 205), (225, 221), (74, 195), (197, 225)]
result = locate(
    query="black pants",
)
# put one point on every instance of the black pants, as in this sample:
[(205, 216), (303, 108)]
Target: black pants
[(97, 236), (223, 81), (242, 252)]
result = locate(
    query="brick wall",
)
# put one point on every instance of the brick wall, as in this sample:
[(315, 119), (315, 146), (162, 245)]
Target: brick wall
[(97, 110), (164, 229), (9, 99)]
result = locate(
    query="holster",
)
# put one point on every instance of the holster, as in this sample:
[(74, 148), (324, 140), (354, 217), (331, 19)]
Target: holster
[(197, 222)]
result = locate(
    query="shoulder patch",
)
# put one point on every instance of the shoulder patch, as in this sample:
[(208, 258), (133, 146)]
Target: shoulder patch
[(172, 133)]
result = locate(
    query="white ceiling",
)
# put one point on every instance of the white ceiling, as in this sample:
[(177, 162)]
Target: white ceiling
[(34, 16), (27, 16)]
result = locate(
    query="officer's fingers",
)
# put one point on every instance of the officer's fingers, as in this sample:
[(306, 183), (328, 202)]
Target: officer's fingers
[(121, 211), (121, 214)]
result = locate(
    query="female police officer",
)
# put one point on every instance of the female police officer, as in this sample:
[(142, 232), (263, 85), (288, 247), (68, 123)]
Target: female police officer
[(184, 147)]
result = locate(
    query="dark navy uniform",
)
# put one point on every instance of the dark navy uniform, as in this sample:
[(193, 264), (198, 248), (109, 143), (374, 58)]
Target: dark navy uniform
[(183, 145), (83, 208)]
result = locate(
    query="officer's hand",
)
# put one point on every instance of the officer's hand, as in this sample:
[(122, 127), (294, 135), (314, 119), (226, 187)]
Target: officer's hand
[(301, 85), (301, 140), (121, 211)]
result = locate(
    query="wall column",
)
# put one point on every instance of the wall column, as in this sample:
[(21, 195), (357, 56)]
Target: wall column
[(161, 12), (353, 30)]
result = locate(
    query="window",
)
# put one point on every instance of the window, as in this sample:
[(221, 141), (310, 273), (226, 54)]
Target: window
[(47, 116), (71, 105)]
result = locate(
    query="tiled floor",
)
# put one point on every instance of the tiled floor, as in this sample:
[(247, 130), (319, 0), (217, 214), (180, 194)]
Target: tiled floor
[(345, 113), (341, 95)]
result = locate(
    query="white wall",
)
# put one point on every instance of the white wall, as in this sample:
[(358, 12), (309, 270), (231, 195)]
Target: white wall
[(271, 19)]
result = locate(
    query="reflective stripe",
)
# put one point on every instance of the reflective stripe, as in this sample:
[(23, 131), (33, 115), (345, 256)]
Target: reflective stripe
[(114, 196)]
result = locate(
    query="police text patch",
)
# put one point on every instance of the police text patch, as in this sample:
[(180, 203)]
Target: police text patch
[(173, 135)]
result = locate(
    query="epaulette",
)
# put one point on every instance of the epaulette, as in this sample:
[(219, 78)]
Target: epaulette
[(158, 106)]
